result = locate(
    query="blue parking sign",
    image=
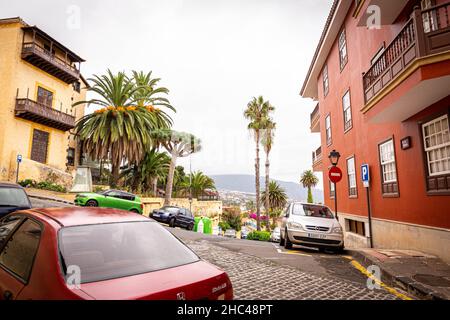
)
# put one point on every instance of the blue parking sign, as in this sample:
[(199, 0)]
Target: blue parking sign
[(19, 158), (365, 174)]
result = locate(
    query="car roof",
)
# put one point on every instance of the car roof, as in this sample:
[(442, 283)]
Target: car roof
[(9, 185), (75, 216), (124, 192)]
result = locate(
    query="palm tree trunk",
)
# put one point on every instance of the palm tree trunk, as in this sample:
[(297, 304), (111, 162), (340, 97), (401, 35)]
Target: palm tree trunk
[(115, 174), (155, 185), (310, 197), (266, 202), (169, 185), (257, 186)]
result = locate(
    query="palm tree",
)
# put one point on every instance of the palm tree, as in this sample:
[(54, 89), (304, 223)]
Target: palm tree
[(267, 142), (277, 198), (197, 183), (144, 176), (256, 112), (149, 95), (309, 180), (121, 130), (178, 144)]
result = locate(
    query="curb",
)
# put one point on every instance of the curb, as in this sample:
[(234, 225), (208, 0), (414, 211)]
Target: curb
[(50, 199), (405, 283)]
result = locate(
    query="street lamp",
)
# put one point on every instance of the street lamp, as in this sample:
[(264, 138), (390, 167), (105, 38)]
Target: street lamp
[(334, 157)]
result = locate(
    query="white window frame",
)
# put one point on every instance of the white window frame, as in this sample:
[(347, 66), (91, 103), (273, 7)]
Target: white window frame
[(351, 174), (440, 146), (384, 163), (347, 108), (342, 44), (328, 129), (325, 80)]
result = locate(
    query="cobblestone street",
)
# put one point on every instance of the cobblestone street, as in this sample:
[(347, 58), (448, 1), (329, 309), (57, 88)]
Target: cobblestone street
[(256, 278)]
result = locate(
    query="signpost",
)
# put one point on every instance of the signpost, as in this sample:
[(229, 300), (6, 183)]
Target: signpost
[(365, 176), (19, 160), (335, 175)]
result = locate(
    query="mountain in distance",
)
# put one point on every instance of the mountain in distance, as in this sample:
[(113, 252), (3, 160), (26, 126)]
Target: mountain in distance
[(246, 184)]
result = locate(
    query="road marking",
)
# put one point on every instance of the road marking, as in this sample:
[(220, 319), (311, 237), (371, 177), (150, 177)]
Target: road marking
[(369, 275), (294, 252)]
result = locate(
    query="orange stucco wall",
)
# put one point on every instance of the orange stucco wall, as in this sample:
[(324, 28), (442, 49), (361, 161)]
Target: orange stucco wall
[(413, 205)]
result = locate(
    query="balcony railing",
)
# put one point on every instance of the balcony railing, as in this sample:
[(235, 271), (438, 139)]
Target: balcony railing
[(40, 113), (317, 156), (49, 62), (426, 32)]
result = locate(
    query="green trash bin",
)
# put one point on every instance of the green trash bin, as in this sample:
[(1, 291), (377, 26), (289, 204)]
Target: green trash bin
[(204, 223)]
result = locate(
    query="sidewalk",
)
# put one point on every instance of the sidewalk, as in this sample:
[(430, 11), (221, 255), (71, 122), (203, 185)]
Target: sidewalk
[(421, 275), (51, 195)]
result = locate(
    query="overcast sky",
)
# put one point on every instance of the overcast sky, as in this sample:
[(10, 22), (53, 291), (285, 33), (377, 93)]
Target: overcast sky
[(213, 55)]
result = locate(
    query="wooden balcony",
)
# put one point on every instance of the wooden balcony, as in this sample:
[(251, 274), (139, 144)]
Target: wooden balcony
[(317, 159), (315, 120), (49, 62), (40, 113), (426, 33)]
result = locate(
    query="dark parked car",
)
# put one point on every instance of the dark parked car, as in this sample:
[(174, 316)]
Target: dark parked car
[(12, 198), (174, 216)]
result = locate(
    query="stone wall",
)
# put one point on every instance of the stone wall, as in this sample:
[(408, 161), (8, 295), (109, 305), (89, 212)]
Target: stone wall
[(37, 171), (211, 209)]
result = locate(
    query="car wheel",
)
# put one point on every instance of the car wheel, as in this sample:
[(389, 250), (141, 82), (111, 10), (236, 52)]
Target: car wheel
[(91, 203), (190, 227), (287, 242), (281, 241), (339, 250), (172, 223), (135, 211)]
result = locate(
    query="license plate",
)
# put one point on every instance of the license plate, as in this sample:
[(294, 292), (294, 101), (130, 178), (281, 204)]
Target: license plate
[(316, 236)]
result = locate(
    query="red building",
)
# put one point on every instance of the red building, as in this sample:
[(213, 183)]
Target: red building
[(381, 76)]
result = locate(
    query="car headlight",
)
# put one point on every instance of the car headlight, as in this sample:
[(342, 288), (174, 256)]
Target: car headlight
[(295, 225), (337, 230)]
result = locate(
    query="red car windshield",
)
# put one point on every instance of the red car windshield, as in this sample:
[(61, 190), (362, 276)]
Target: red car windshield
[(115, 250)]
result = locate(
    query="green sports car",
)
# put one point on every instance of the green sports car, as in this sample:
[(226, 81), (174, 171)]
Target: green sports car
[(110, 199)]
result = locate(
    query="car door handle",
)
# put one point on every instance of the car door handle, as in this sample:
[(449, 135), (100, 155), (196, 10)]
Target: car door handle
[(7, 295)]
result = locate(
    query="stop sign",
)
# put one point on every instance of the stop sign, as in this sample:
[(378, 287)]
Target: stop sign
[(335, 174)]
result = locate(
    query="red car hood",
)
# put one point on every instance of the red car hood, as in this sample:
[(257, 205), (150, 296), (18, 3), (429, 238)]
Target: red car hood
[(198, 280)]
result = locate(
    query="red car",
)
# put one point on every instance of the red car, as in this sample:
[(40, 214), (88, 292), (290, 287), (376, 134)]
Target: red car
[(96, 253)]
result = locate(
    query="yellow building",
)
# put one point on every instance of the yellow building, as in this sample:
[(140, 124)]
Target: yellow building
[(39, 81)]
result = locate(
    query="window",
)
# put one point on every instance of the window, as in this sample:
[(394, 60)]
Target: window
[(77, 86), (436, 138), (7, 225), (309, 210), (39, 146), (387, 159), (116, 250), (325, 80), (332, 192), (388, 168), (71, 157), (351, 173), (45, 97), (342, 49), (18, 254), (357, 227), (328, 129), (347, 111)]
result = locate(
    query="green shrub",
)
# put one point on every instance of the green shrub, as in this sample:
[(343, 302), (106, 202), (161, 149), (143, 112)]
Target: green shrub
[(224, 225), (27, 183), (44, 185), (259, 236)]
